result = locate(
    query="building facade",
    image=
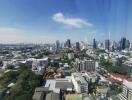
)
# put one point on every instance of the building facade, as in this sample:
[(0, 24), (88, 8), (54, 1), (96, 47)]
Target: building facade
[(86, 65)]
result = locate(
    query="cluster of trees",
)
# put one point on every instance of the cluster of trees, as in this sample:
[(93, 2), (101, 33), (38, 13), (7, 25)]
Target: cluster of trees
[(7, 78), (117, 69), (93, 86), (116, 88), (110, 68), (40, 54), (25, 82), (98, 51), (54, 64)]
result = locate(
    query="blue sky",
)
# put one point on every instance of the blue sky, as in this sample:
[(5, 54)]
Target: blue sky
[(44, 21)]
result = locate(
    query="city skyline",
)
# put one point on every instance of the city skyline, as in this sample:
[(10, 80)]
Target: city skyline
[(45, 21)]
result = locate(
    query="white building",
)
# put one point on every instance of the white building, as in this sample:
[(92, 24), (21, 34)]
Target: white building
[(127, 91), (80, 84), (102, 92), (91, 77), (70, 55), (56, 85)]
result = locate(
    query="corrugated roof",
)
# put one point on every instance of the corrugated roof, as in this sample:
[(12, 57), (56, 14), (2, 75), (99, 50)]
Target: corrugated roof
[(63, 85), (73, 97), (52, 96)]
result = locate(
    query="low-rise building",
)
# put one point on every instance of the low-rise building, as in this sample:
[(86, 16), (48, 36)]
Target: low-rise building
[(43, 93), (127, 91), (70, 55), (74, 97), (91, 77), (56, 85), (38, 65), (79, 82), (102, 92), (127, 66)]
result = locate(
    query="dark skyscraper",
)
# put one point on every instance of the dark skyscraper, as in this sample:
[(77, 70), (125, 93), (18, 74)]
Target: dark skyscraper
[(107, 44), (57, 45), (77, 46), (123, 43), (94, 44), (68, 43)]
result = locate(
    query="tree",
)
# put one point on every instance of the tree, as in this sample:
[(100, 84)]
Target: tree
[(116, 88), (26, 82)]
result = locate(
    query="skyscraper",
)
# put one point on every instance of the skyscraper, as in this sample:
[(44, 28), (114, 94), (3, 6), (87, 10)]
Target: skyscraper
[(123, 43), (107, 44), (127, 43), (94, 44), (57, 45), (68, 43), (77, 46)]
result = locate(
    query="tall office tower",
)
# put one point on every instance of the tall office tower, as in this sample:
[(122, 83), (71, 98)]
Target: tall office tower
[(57, 45), (115, 44), (77, 46), (68, 43), (107, 44), (123, 43), (127, 44), (94, 44), (130, 46), (112, 46)]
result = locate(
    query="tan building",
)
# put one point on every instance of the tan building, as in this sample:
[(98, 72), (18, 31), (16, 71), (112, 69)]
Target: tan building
[(102, 92)]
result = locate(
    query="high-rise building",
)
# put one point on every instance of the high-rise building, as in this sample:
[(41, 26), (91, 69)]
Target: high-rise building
[(130, 46), (68, 43), (115, 44), (57, 45), (127, 43), (112, 46), (94, 44), (77, 46), (107, 44), (123, 43)]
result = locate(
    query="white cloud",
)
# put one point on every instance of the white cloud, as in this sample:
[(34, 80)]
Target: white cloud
[(74, 22)]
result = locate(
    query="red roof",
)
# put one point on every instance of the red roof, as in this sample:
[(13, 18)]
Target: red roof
[(123, 77)]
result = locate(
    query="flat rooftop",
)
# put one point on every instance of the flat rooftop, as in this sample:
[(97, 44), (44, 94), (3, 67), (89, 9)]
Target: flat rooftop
[(73, 97), (79, 78), (56, 84), (64, 85), (52, 96)]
